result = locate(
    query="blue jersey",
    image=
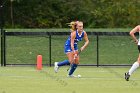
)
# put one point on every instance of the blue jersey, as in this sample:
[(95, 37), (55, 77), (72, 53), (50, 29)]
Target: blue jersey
[(68, 42), (77, 38)]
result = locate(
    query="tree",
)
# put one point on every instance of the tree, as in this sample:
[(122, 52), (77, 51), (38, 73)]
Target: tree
[(56, 13)]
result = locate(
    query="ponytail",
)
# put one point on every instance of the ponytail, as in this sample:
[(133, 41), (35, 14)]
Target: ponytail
[(73, 25)]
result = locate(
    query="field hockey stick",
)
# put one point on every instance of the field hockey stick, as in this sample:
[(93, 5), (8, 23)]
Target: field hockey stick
[(74, 59)]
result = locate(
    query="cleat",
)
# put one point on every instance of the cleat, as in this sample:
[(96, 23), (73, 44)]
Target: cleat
[(127, 76), (72, 76), (56, 67)]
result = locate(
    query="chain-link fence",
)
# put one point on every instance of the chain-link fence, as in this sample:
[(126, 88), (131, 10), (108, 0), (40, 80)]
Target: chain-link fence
[(104, 49)]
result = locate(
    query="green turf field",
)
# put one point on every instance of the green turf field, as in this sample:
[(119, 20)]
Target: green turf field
[(93, 80)]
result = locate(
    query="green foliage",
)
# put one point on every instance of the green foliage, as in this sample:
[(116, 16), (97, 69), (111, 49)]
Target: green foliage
[(56, 13)]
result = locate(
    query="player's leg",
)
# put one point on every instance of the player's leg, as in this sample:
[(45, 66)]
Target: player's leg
[(74, 65), (58, 64), (133, 68), (65, 62)]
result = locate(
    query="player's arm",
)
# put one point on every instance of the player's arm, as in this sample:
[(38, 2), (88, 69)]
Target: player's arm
[(86, 41), (73, 35), (133, 31)]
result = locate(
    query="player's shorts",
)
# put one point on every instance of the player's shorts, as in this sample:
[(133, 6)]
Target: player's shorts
[(139, 48), (68, 48)]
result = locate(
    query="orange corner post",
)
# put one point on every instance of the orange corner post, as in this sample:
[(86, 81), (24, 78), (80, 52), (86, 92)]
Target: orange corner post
[(39, 62)]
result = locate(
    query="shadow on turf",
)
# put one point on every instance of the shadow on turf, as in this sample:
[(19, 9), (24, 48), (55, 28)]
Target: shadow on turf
[(132, 82), (3, 92), (57, 79)]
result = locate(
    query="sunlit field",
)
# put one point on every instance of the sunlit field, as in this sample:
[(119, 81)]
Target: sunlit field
[(99, 80)]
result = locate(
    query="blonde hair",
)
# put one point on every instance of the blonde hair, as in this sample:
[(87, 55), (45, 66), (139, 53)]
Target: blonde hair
[(73, 25)]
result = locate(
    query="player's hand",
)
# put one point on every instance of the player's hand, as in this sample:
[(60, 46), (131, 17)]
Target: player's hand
[(82, 48), (75, 55), (136, 41)]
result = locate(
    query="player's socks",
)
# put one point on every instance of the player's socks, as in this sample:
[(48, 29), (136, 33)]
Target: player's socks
[(65, 62), (133, 68), (73, 68)]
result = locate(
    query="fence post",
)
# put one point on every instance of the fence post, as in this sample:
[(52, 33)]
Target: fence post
[(50, 49), (1, 29), (4, 48), (1, 47), (97, 50)]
